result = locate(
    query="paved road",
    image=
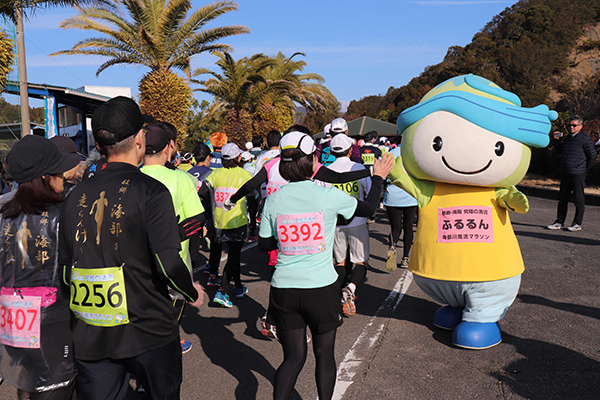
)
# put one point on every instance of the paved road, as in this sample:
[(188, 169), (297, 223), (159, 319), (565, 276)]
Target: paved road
[(390, 349)]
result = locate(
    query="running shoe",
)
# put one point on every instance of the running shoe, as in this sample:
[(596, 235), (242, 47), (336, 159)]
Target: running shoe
[(240, 292), (574, 228), (186, 346), (214, 280), (556, 226), (223, 299), (404, 262), (348, 306), (391, 259), (207, 269), (267, 330), (253, 238)]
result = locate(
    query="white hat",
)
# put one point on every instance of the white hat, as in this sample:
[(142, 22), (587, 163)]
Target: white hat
[(338, 125), (340, 143), (230, 151), (249, 145), (326, 130), (247, 156), (299, 141)]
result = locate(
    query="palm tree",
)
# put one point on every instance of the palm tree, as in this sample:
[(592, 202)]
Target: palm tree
[(259, 93), (157, 36), (15, 10), (7, 56)]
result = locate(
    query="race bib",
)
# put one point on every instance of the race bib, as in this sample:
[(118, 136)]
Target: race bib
[(222, 194), (352, 188), (20, 318), (98, 296), (368, 159), (301, 233), (472, 224), (272, 187)]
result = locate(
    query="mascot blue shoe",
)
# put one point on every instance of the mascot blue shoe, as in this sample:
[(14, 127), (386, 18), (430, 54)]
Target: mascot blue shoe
[(477, 335), (448, 317)]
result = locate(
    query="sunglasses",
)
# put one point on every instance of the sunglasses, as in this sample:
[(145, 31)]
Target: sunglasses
[(573, 125)]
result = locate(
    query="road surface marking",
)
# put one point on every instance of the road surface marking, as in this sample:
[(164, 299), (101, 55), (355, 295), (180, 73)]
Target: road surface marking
[(361, 348)]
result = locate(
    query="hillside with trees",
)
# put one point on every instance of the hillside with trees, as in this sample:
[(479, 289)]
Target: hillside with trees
[(545, 51), (529, 49)]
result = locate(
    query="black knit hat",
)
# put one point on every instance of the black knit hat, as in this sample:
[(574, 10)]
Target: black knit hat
[(35, 156), (120, 116)]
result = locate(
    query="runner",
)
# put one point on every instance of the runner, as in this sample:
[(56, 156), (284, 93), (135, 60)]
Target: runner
[(37, 343), (401, 209), (352, 238), (188, 209), (119, 245), (231, 225), (303, 288)]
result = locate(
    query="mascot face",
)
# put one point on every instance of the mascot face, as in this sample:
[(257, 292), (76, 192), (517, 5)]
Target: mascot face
[(469, 131), (444, 147)]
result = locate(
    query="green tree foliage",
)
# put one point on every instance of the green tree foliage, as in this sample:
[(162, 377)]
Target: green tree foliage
[(10, 113), (159, 35), (254, 95)]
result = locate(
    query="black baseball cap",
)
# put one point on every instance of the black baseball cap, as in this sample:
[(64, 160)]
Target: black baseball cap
[(156, 139), (35, 156), (120, 116)]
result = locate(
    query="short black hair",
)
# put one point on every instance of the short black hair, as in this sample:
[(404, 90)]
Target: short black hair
[(257, 141), (298, 128), (201, 151), (371, 135), (341, 154), (298, 170), (231, 163), (273, 138)]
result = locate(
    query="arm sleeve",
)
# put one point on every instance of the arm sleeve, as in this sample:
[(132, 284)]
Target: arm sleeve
[(369, 206), (176, 273), (253, 184), (590, 154), (267, 244), (325, 174)]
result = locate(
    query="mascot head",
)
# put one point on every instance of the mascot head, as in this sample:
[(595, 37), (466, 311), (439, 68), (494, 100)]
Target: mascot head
[(470, 131)]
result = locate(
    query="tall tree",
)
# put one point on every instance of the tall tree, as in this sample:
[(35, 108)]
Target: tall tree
[(259, 93), (159, 35)]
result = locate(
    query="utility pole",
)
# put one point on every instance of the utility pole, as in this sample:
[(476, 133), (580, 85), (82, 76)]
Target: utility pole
[(23, 88)]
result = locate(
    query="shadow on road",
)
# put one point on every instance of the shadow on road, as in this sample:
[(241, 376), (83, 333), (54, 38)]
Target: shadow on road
[(592, 312), (549, 372)]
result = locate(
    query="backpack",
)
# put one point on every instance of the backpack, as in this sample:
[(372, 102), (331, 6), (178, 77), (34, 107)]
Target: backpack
[(326, 157)]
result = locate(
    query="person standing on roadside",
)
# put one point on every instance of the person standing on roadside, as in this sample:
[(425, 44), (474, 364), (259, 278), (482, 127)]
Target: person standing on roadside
[(578, 156), (128, 323)]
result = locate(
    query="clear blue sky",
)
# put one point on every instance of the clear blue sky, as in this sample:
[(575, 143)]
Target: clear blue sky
[(361, 48)]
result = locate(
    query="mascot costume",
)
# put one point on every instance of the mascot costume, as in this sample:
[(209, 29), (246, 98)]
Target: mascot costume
[(464, 146)]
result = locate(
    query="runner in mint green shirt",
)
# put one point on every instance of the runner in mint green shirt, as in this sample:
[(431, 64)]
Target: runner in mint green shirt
[(299, 219)]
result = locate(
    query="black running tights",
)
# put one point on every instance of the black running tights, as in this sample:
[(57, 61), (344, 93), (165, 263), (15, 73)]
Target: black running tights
[(232, 267), (294, 355), (402, 218)]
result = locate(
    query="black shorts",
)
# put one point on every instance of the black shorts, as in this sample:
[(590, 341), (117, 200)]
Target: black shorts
[(159, 371), (232, 235), (319, 308)]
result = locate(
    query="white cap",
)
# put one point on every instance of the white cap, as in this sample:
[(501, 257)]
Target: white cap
[(341, 143), (326, 130), (296, 141), (338, 125), (249, 145), (247, 156), (230, 151)]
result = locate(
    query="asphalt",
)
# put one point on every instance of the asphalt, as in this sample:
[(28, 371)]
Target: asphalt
[(391, 350)]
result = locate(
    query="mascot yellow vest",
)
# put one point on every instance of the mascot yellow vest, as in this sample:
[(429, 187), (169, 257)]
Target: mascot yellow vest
[(490, 252)]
